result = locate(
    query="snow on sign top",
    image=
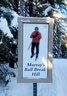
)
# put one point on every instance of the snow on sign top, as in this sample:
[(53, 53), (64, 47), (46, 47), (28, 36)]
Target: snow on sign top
[(35, 49)]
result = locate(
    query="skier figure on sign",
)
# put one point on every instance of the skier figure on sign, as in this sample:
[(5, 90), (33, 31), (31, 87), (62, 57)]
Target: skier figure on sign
[(36, 36)]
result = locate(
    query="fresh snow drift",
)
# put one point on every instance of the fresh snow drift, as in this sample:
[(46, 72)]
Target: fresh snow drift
[(4, 27)]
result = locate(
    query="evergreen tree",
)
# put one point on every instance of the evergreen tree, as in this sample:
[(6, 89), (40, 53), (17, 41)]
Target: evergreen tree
[(7, 14), (5, 41)]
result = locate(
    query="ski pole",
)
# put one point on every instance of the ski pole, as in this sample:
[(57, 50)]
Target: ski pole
[(29, 45)]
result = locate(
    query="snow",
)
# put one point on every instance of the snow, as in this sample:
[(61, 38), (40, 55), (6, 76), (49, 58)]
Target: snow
[(4, 24), (14, 22), (21, 89), (16, 89), (4, 27), (48, 9), (59, 85), (61, 9), (42, 5), (57, 88), (5, 9), (46, 4), (13, 13), (60, 72), (61, 15)]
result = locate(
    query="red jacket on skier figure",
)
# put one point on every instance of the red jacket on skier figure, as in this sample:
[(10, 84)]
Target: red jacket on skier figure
[(36, 36)]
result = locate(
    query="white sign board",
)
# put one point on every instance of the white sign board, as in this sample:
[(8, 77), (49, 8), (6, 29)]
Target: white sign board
[(34, 48)]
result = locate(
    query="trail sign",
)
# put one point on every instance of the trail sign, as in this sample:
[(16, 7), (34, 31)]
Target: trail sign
[(35, 39)]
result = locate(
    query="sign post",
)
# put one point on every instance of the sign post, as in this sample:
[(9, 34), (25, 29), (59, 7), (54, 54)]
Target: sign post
[(34, 89)]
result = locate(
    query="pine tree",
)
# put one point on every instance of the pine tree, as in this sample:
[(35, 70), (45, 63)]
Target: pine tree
[(6, 13), (5, 41)]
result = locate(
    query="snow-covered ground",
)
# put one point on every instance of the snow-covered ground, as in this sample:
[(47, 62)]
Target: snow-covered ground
[(57, 88), (59, 85)]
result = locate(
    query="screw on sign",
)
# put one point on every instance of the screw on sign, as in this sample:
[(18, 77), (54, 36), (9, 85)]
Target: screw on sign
[(45, 26)]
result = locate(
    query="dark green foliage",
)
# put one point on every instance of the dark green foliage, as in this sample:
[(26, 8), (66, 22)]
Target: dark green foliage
[(64, 51), (31, 8), (5, 48), (14, 4), (14, 31), (56, 40), (59, 1), (4, 53), (6, 14), (6, 41), (3, 73), (51, 2), (8, 17), (39, 12), (5, 3), (1, 33)]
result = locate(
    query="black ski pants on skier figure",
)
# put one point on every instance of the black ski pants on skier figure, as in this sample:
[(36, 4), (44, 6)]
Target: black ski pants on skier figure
[(35, 45)]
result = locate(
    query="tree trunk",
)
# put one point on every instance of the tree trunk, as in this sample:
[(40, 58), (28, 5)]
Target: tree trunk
[(31, 7)]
